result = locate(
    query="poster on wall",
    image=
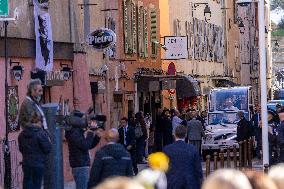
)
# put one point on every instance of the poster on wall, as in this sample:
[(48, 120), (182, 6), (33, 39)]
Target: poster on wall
[(176, 47), (13, 108), (44, 42)]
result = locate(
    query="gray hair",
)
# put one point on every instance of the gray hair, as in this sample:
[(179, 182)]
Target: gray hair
[(32, 84)]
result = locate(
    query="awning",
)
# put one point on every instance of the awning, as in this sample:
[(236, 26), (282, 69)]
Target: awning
[(155, 82), (187, 86)]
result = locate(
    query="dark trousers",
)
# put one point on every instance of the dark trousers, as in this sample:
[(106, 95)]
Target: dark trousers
[(32, 177), (134, 161), (158, 141), (140, 148), (197, 144), (167, 138), (281, 158)]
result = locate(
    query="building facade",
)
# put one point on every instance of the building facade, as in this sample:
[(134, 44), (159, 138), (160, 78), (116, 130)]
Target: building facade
[(207, 57)]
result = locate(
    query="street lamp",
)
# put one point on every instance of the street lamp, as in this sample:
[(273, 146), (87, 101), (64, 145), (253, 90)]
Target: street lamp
[(207, 11), (244, 3), (242, 27), (17, 71)]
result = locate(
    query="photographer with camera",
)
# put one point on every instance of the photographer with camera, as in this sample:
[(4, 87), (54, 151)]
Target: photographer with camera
[(79, 146)]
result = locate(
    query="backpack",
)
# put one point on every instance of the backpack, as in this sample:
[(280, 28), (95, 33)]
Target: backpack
[(138, 131)]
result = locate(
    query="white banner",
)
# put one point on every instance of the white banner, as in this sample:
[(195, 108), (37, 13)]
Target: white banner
[(44, 42)]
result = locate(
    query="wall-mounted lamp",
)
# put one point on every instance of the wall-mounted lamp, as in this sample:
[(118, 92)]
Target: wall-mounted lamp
[(66, 71), (241, 27), (244, 3), (207, 10), (17, 70)]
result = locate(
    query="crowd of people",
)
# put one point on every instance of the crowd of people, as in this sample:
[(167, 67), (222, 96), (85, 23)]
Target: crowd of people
[(177, 135)]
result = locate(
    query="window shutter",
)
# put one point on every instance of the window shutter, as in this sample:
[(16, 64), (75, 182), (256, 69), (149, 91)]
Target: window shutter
[(154, 36), (134, 26), (146, 41)]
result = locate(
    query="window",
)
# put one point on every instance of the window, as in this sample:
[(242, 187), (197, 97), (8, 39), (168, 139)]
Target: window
[(154, 32), (142, 32), (129, 24)]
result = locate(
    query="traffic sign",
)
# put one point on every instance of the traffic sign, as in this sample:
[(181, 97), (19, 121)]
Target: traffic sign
[(4, 8)]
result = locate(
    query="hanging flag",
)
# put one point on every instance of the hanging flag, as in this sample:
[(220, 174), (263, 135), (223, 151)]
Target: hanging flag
[(44, 42)]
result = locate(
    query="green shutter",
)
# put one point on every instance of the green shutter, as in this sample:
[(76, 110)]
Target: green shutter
[(146, 32), (154, 33)]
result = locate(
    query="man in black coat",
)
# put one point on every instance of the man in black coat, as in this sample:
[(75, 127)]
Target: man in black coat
[(35, 145), (281, 135), (79, 147), (127, 139), (244, 129), (185, 163), (110, 161)]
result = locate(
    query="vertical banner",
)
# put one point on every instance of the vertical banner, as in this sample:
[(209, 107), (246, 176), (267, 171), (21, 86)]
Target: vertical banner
[(44, 42), (13, 108)]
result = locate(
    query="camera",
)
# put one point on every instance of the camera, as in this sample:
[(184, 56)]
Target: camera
[(78, 119)]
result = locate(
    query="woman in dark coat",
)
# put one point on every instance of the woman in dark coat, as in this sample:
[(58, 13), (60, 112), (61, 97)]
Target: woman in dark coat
[(167, 128), (141, 135), (35, 145)]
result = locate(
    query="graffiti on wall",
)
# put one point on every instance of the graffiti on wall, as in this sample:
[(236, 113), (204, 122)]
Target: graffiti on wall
[(206, 41)]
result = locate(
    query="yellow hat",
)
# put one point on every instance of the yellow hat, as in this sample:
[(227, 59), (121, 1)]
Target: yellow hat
[(159, 161)]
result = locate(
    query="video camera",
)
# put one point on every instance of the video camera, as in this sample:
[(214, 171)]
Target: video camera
[(78, 119)]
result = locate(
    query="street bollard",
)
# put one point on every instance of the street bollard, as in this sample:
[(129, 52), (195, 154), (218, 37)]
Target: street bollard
[(245, 153), (235, 157), (266, 168), (250, 153), (208, 166), (215, 161), (221, 156), (54, 173), (228, 157), (241, 154)]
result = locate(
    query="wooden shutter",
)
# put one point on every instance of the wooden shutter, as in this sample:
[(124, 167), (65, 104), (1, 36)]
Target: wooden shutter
[(154, 32)]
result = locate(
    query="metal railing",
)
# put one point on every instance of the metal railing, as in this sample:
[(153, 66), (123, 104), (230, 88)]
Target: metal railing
[(231, 157)]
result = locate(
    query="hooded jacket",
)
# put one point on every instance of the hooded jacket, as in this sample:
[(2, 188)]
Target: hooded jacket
[(110, 161), (79, 146), (35, 145)]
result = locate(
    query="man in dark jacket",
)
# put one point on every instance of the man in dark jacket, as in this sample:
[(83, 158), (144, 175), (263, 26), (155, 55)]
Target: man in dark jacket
[(127, 139), (243, 128), (281, 136), (257, 130), (185, 164), (110, 161), (195, 132), (35, 145), (79, 147)]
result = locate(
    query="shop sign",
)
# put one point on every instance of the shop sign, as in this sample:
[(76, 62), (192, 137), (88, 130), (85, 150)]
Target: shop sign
[(4, 8), (54, 78), (101, 39), (177, 47)]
